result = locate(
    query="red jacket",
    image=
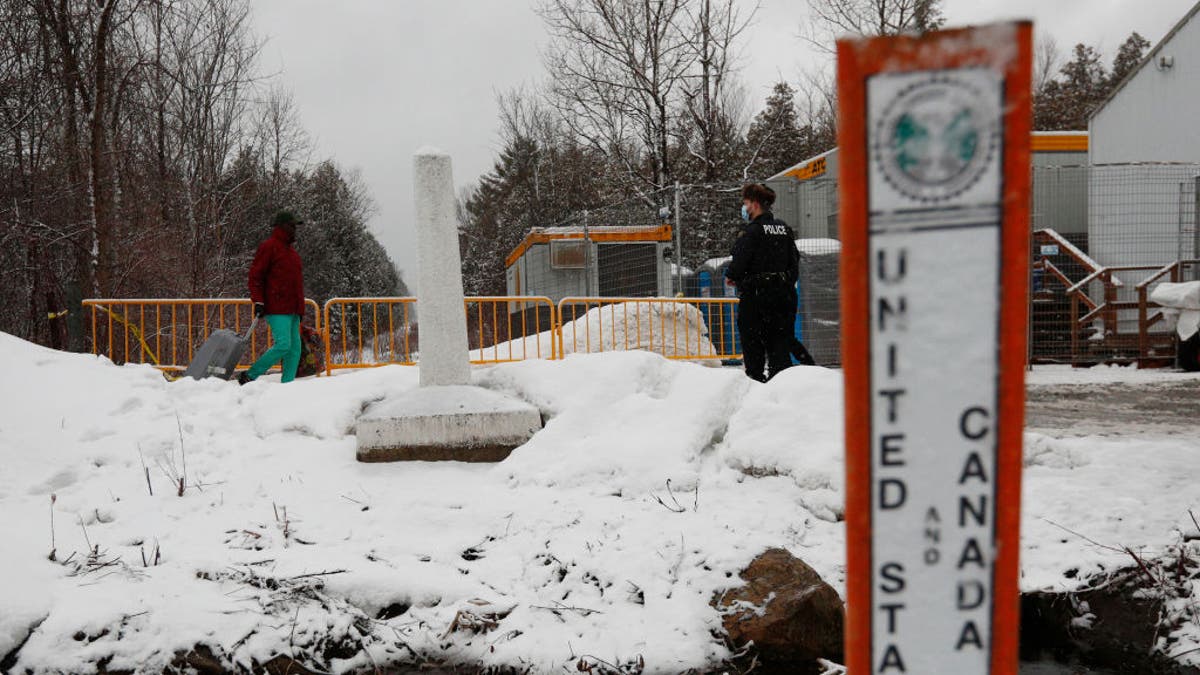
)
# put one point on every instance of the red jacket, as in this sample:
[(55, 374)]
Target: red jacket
[(277, 276)]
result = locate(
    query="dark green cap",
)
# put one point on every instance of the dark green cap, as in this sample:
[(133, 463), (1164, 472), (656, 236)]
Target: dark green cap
[(285, 217)]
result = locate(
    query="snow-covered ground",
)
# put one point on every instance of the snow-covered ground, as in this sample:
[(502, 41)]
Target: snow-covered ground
[(576, 547)]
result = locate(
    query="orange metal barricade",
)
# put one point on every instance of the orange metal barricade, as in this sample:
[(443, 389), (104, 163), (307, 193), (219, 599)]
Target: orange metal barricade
[(677, 328), (166, 332), (369, 332), (511, 328)]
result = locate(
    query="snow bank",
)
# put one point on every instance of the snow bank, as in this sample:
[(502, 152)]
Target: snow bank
[(652, 485), (794, 428), (1087, 498), (671, 414), (607, 535)]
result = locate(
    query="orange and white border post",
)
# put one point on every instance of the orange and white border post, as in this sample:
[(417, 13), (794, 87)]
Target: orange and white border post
[(934, 141)]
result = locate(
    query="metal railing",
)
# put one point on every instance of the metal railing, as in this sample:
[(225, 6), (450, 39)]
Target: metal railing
[(166, 332), (502, 329), (1103, 320), (677, 328), (367, 332), (387, 338)]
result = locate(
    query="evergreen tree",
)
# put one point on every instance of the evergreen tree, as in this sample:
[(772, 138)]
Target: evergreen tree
[(776, 140), (541, 178), (341, 257), (1067, 102), (927, 15), (1129, 55)]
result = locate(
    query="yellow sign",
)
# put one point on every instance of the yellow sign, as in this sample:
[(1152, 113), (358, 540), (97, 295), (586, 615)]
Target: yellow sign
[(810, 170)]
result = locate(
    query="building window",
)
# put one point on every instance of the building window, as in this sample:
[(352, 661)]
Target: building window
[(567, 255)]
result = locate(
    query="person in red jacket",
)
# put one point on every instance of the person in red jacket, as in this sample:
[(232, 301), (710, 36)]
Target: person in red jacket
[(277, 290)]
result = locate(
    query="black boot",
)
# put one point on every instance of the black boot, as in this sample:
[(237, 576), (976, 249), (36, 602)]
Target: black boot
[(800, 353), (243, 377)]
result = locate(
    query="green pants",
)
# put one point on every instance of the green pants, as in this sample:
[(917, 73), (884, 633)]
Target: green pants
[(285, 331)]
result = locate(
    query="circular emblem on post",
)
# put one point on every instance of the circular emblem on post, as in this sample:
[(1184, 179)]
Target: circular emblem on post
[(936, 138)]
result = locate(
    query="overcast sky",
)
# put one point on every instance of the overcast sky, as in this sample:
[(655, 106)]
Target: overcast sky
[(376, 79)]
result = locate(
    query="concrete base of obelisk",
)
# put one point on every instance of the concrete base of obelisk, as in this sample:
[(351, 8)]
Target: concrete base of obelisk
[(457, 423)]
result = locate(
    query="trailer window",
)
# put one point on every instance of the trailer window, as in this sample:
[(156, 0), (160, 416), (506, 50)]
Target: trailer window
[(569, 255)]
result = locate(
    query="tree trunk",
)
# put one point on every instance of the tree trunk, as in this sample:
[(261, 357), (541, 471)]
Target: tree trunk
[(58, 21), (100, 179)]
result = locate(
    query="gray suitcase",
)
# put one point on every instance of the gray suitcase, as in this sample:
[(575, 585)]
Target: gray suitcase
[(220, 353)]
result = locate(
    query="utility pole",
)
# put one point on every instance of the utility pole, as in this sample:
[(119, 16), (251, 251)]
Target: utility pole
[(678, 244), (587, 257)]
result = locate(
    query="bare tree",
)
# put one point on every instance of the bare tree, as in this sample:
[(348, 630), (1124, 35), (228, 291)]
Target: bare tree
[(833, 18), (282, 139), (1047, 60), (709, 129), (133, 159), (616, 69), (212, 58)]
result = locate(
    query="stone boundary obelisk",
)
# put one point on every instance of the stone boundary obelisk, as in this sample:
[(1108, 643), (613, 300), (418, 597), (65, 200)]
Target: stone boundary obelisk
[(443, 323), (445, 418)]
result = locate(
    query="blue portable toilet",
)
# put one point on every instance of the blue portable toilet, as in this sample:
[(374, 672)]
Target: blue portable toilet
[(723, 327), (798, 325), (721, 319)]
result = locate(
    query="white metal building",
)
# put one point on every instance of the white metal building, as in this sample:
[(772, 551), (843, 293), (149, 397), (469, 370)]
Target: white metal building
[(1145, 156), (1151, 115)]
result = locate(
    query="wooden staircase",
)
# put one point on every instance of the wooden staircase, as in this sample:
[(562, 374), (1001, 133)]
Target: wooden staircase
[(1085, 320)]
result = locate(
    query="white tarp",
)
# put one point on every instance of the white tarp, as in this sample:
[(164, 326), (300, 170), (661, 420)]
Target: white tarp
[(1181, 304)]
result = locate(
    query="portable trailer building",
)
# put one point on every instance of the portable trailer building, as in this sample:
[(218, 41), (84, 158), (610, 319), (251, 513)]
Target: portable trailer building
[(604, 261), (1060, 184), (806, 197), (806, 194)]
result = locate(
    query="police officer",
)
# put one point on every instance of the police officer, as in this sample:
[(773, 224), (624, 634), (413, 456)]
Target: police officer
[(765, 267)]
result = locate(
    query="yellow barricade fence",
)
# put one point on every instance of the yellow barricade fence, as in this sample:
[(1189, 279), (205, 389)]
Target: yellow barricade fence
[(677, 328), (511, 328), (166, 332), (368, 332)]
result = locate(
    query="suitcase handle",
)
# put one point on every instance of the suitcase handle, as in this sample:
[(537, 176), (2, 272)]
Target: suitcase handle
[(250, 330)]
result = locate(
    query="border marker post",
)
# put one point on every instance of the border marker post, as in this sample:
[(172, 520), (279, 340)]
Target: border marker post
[(934, 190)]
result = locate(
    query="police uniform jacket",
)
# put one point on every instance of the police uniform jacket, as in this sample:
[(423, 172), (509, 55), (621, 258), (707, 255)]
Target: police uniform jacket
[(764, 256)]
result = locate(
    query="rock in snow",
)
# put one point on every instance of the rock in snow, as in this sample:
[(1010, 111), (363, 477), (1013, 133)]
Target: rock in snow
[(786, 609)]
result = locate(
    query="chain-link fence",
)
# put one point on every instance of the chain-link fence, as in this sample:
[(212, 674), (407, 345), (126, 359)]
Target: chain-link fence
[(676, 243), (1102, 238)]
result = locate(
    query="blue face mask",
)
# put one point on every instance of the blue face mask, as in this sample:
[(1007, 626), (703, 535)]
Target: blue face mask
[(745, 214)]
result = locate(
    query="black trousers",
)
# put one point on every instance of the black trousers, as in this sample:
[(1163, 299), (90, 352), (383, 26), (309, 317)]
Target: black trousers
[(765, 323)]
